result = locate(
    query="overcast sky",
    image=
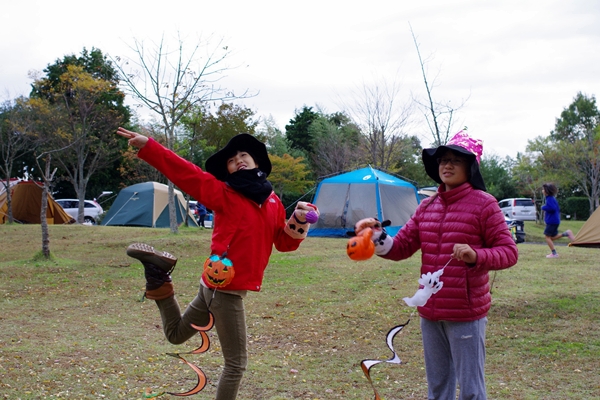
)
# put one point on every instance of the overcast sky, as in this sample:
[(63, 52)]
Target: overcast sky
[(519, 63)]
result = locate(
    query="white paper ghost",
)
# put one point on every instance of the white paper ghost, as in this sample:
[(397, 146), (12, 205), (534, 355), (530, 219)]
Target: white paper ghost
[(431, 285)]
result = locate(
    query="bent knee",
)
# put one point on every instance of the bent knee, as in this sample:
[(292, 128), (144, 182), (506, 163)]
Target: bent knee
[(177, 338)]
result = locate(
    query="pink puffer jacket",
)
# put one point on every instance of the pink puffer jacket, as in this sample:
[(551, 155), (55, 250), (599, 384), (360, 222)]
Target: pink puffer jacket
[(462, 215)]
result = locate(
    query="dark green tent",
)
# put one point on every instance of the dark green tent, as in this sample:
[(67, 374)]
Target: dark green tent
[(145, 204)]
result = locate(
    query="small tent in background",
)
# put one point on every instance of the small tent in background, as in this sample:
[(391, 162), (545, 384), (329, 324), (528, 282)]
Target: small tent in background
[(346, 198), (589, 234), (12, 182), (146, 204), (27, 204)]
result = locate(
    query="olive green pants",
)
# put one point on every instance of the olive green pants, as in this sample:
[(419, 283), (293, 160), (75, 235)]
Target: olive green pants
[(230, 322)]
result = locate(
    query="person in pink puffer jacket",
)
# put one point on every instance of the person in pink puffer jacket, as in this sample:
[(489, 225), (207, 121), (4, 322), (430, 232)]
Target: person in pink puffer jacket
[(462, 230)]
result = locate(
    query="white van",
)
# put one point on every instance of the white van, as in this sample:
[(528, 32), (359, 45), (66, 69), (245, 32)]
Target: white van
[(521, 209)]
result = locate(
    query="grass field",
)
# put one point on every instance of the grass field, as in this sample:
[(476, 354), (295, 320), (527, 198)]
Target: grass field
[(535, 231), (74, 327)]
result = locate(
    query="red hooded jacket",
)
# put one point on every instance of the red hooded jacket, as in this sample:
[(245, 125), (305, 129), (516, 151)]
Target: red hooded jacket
[(246, 230), (462, 215)]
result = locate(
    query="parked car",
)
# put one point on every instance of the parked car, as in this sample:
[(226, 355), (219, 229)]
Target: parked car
[(521, 209), (517, 229), (194, 209), (91, 209), (193, 204)]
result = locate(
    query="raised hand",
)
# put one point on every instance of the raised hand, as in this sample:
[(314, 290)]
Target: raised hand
[(135, 139)]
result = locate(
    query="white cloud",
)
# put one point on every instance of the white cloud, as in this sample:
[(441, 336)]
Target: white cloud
[(520, 63)]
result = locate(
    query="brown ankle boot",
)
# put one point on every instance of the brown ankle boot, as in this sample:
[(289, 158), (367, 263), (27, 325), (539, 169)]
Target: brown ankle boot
[(158, 266), (163, 292), (158, 283), (148, 254)]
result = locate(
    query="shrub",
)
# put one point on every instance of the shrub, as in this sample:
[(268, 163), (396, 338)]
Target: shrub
[(577, 207)]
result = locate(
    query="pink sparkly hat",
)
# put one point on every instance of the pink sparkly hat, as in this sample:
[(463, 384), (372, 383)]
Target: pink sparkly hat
[(463, 144)]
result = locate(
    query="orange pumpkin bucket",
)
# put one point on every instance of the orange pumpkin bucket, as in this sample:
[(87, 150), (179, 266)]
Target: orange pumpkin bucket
[(218, 271), (361, 247)]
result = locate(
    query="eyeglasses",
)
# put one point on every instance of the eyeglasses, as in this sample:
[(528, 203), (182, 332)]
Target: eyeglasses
[(454, 161)]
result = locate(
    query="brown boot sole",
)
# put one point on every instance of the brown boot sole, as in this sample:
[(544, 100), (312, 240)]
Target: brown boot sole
[(148, 254)]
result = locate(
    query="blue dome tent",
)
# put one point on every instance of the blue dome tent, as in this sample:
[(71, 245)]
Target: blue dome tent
[(346, 198)]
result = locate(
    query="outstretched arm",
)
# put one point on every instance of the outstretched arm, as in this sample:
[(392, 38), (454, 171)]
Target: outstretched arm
[(135, 139)]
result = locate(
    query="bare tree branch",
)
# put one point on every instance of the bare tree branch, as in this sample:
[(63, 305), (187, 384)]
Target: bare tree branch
[(439, 117), (382, 121), (172, 89)]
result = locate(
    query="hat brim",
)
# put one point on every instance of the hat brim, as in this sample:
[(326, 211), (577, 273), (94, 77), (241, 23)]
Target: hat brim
[(430, 157), (217, 163)]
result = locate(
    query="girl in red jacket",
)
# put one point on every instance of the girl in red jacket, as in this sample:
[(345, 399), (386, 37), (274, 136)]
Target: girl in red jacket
[(248, 220), (462, 230)]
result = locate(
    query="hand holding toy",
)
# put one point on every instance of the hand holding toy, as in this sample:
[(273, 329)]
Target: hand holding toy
[(383, 242), (306, 212), (299, 223), (378, 228), (364, 223)]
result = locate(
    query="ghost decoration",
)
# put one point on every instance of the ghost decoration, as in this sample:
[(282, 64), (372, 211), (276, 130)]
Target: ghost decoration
[(431, 285)]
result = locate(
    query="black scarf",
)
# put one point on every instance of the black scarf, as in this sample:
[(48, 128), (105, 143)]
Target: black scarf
[(252, 183)]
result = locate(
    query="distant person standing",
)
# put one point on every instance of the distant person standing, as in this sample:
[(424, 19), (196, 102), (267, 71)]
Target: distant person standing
[(201, 210), (551, 211)]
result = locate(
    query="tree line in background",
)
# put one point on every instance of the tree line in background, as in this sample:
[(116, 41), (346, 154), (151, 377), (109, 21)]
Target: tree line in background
[(63, 134)]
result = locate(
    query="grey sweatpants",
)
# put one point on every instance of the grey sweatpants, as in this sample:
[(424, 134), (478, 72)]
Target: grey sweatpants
[(230, 322), (454, 353)]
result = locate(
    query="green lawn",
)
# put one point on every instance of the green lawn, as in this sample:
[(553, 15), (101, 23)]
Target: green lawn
[(74, 327), (535, 230)]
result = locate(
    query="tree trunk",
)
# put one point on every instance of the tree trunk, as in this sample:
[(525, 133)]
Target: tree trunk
[(43, 211), (9, 201), (172, 213)]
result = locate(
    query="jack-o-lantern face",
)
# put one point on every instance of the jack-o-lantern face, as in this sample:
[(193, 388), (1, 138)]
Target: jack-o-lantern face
[(218, 272), (361, 247)]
